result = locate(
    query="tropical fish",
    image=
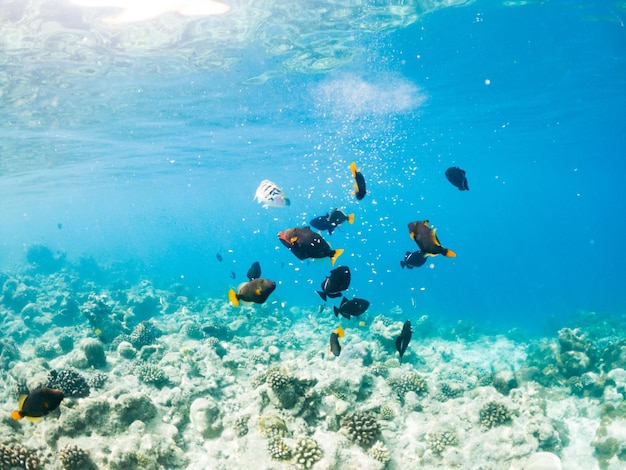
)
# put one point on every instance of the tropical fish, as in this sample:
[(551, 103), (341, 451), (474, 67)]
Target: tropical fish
[(270, 194), (37, 404), (219, 257), (426, 239), (413, 260), (233, 275), (359, 182), (255, 271), (305, 243), (338, 280), (335, 347), (351, 308), (456, 176), (404, 339), (331, 221), (256, 290)]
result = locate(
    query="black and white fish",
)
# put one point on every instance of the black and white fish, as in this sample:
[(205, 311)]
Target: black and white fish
[(270, 194)]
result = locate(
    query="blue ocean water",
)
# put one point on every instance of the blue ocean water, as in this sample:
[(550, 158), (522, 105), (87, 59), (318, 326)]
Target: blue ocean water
[(144, 142)]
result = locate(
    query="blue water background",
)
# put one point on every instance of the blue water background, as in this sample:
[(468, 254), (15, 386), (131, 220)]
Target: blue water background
[(160, 168)]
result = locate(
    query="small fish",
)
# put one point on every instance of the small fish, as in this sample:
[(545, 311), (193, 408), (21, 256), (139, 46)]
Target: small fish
[(426, 239), (256, 290), (456, 176), (255, 271), (351, 308), (219, 257), (359, 182), (270, 194), (413, 260), (37, 404), (338, 281), (335, 347), (233, 275), (59, 226), (404, 339), (331, 221), (305, 243)]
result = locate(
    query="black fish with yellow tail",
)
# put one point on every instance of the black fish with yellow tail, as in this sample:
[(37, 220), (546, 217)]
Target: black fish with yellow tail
[(426, 239), (304, 243), (256, 290), (359, 182), (335, 347), (331, 221), (38, 404)]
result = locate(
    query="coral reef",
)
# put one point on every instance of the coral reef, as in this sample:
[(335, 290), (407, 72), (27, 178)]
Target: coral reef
[(69, 381), (144, 334), (94, 352), (278, 448), (380, 452), (306, 453), (438, 441), (409, 382), (151, 374), (8, 352), (362, 428), (73, 457), (18, 456), (494, 414)]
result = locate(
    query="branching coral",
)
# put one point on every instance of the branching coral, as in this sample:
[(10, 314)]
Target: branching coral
[(69, 381), (494, 414), (306, 453)]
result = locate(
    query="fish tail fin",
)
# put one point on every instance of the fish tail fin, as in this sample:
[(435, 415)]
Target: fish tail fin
[(449, 253), (336, 255), (353, 169), (16, 415), (340, 332), (232, 297), (350, 218), (322, 295), (336, 310)]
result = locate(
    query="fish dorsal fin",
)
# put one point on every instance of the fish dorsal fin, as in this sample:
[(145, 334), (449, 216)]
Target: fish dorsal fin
[(339, 331), (427, 223), (20, 402), (435, 239), (343, 301)]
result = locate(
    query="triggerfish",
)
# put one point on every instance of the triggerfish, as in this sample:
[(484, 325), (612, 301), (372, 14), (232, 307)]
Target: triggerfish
[(404, 339), (413, 260), (359, 182), (351, 308), (335, 347), (426, 239), (456, 176), (331, 221), (305, 243), (338, 281), (37, 404), (256, 290), (270, 194)]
